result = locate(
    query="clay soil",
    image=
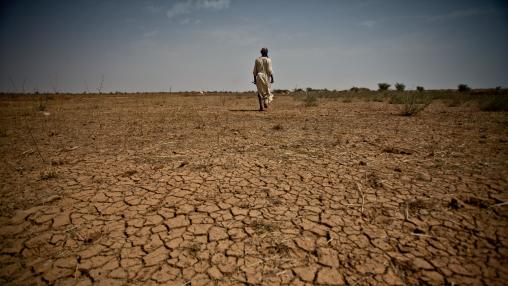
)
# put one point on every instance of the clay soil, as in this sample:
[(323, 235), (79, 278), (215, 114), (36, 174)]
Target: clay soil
[(204, 190)]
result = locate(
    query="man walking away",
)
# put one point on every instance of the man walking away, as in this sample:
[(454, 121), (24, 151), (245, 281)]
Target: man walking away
[(263, 70)]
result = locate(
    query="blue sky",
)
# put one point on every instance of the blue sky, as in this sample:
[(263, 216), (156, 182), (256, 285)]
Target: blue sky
[(151, 45)]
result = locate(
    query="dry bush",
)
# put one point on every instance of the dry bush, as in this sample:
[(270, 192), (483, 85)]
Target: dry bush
[(48, 174), (463, 88), (311, 99), (383, 86), (494, 103), (400, 86), (261, 227), (412, 104)]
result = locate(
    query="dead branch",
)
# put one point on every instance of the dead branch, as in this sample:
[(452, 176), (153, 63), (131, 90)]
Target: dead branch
[(99, 89), (359, 188)]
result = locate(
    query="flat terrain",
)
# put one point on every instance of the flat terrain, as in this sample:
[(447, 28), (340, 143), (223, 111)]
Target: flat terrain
[(203, 190)]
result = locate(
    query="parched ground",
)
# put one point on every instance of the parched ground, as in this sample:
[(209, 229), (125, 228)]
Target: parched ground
[(202, 190)]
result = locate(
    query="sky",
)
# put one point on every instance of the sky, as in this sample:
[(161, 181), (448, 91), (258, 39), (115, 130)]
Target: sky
[(181, 45)]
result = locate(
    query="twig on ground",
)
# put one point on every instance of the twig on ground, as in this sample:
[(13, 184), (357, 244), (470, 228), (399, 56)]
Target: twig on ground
[(500, 204), (76, 272), (421, 234), (29, 151), (359, 188), (36, 146), (69, 229)]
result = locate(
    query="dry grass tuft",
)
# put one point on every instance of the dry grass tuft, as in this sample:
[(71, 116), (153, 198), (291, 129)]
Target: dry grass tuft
[(48, 174), (261, 227), (278, 127)]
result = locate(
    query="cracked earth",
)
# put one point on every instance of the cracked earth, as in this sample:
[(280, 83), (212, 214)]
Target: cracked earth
[(201, 190)]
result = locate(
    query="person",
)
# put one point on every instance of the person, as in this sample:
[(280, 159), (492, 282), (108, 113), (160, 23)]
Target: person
[(262, 72)]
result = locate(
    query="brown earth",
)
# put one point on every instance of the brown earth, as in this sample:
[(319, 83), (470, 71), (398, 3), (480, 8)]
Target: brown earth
[(202, 190)]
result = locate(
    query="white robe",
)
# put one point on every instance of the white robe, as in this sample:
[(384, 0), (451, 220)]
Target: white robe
[(262, 71)]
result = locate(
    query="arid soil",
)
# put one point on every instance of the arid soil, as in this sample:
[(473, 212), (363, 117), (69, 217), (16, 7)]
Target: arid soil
[(204, 190)]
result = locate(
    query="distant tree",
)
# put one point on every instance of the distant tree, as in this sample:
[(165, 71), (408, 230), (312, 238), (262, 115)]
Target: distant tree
[(101, 83), (463, 88), (309, 89), (354, 89), (420, 88), (383, 86), (400, 86)]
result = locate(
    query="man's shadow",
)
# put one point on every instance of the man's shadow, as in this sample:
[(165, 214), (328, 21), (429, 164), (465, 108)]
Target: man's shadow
[(244, 110)]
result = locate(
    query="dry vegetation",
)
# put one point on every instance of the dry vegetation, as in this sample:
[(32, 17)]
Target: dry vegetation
[(325, 188)]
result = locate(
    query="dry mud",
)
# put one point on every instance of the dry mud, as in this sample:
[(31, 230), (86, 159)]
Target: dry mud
[(149, 190)]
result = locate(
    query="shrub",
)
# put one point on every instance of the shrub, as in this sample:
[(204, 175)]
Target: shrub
[(41, 102), (463, 88), (420, 88), (400, 86), (354, 89), (383, 86), (396, 99), (495, 103), (310, 100), (413, 104), (455, 101)]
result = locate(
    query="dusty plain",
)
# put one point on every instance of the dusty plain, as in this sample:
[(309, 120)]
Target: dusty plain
[(204, 190)]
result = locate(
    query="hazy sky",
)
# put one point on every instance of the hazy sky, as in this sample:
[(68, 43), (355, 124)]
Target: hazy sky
[(151, 45)]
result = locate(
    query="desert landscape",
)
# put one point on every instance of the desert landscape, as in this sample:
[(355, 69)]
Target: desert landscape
[(335, 188)]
